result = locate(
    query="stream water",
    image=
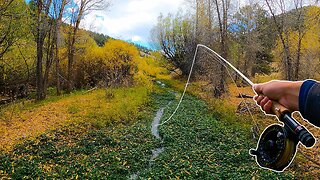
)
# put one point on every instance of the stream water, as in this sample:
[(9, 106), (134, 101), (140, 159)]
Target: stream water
[(156, 122), (155, 133)]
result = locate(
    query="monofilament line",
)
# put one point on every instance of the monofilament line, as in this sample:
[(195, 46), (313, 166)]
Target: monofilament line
[(221, 60), (185, 87)]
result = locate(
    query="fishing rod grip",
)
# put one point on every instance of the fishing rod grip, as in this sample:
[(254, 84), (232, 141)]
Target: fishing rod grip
[(300, 132), (279, 110)]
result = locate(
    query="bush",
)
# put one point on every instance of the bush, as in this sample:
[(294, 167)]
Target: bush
[(109, 65)]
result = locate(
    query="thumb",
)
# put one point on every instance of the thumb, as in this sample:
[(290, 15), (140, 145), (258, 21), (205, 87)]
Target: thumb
[(257, 88)]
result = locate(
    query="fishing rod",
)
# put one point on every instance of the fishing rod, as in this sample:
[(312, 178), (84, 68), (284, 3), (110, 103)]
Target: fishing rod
[(277, 145)]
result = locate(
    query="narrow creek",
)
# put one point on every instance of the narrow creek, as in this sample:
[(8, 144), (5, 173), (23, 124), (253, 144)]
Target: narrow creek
[(155, 132)]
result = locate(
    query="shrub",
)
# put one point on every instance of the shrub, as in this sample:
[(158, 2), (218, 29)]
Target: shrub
[(109, 65)]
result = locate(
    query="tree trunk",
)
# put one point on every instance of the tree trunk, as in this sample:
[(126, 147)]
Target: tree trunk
[(39, 70), (223, 46), (57, 69), (42, 18), (297, 63), (70, 68), (288, 63), (49, 60), (285, 44), (71, 45), (40, 42), (57, 44)]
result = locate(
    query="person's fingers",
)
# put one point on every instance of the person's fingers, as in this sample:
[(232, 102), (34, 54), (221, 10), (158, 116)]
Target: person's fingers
[(255, 97), (259, 99), (264, 101), (257, 88), (267, 107)]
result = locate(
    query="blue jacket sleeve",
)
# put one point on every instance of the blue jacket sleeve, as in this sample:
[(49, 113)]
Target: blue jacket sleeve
[(309, 101)]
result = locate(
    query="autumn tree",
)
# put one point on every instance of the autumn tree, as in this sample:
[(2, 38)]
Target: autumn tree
[(310, 46), (251, 31), (12, 13), (303, 44), (176, 37), (79, 11), (282, 28), (16, 67), (212, 22), (41, 29), (222, 10), (204, 22), (58, 11), (289, 18)]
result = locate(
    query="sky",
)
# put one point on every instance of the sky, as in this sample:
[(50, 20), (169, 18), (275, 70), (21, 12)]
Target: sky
[(130, 20)]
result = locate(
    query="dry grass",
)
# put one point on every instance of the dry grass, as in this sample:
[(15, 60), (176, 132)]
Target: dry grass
[(27, 120), (18, 122)]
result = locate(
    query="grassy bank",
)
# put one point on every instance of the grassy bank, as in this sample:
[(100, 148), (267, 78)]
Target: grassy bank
[(28, 119)]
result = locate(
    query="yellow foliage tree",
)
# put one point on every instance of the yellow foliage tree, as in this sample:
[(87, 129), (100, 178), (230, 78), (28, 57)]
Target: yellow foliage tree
[(304, 46), (110, 65)]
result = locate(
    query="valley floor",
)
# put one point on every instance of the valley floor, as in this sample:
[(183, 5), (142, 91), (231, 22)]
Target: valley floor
[(110, 137)]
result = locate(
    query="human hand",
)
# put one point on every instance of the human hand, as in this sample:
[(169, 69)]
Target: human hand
[(284, 92)]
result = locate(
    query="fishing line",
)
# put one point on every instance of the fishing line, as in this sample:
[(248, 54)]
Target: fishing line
[(234, 82), (222, 61)]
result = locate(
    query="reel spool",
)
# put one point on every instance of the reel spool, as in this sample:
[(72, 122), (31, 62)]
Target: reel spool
[(277, 145), (275, 148)]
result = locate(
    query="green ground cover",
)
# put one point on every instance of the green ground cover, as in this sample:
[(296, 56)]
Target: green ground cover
[(197, 146)]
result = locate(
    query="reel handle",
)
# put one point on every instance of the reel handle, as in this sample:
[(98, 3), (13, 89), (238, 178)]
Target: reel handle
[(300, 132)]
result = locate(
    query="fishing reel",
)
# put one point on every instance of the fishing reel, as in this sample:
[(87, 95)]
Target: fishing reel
[(277, 145)]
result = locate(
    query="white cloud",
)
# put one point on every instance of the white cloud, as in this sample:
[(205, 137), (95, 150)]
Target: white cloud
[(130, 19), (136, 38)]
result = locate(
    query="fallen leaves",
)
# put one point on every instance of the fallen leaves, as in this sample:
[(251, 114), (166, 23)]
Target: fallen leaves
[(80, 108)]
